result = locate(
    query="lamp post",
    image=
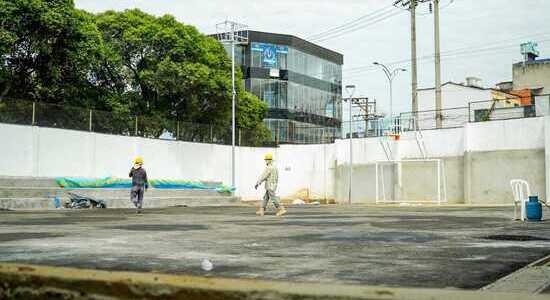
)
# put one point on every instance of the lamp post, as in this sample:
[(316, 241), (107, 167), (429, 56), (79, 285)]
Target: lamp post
[(350, 89), (390, 74), (234, 34)]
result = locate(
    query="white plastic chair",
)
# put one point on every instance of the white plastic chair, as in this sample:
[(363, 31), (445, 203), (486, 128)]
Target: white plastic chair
[(521, 191)]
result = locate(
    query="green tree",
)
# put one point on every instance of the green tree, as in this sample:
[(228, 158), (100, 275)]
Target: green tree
[(47, 49), (129, 63), (170, 70)]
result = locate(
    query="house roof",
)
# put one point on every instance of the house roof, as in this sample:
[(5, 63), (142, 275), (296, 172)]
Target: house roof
[(456, 84), (534, 62)]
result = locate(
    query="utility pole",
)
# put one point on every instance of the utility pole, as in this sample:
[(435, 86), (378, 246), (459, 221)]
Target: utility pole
[(411, 6), (368, 110), (414, 66), (232, 33), (438, 103)]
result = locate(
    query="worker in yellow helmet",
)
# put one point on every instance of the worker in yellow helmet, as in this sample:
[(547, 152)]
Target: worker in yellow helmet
[(139, 183), (271, 177)]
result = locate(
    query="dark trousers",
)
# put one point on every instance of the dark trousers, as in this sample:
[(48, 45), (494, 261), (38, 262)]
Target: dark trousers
[(136, 195)]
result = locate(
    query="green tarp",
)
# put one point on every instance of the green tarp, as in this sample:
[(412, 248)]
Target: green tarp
[(112, 182)]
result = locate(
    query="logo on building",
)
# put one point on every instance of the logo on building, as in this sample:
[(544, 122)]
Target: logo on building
[(269, 53)]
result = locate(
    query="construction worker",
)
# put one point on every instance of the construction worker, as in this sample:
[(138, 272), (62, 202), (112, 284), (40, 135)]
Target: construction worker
[(139, 183), (271, 178)]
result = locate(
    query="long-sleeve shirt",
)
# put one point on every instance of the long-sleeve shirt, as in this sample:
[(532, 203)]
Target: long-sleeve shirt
[(271, 178), (139, 177)]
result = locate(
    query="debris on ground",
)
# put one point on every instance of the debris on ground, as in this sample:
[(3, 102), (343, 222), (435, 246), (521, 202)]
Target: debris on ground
[(298, 202), (81, 202), (207, 265)]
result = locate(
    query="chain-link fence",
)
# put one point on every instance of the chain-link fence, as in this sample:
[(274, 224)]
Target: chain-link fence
[(431, 119), (77, 118), (477, 111)]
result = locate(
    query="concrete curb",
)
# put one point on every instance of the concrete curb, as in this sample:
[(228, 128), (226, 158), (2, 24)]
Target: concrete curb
[(533, 278), (37, 282)]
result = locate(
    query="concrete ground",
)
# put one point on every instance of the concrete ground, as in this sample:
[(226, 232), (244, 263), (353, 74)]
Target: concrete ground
[(435, 247)]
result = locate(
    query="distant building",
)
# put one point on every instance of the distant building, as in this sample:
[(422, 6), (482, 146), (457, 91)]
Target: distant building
[(301, 83), (533, 75), (466, 101), (454, 95)]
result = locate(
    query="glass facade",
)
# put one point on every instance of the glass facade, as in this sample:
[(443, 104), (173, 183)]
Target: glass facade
[(305, 99), (286, 131), (240, 54)]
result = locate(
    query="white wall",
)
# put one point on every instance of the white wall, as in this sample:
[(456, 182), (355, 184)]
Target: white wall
[(47, 152), (518, 134)]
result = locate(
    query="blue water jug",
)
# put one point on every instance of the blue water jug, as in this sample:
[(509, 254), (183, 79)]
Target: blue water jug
[(533, 209)]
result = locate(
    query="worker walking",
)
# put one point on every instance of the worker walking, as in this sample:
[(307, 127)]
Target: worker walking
[(139, 183), (271, 178)]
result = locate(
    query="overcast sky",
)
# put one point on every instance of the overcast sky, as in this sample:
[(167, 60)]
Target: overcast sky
[(487, 31)]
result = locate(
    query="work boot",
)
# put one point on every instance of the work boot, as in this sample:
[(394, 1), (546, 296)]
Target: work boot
[(260, 212), (281, 211)]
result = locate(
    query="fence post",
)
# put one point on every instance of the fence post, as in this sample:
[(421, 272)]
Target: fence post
[(33, 113), (177, 130), (211, 134), (239, 136), (90, 127), (136, 126)]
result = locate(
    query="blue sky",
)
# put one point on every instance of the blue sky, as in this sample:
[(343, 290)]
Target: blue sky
[(488, 33)]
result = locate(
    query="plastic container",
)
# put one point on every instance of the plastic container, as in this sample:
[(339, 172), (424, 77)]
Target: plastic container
[(533, 209)]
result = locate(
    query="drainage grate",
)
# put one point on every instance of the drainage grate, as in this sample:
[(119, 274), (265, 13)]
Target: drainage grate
[(518, 238)]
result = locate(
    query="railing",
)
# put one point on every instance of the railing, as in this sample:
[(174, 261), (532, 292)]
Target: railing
[(476, 111), (77, 118), (506, 109), (427, 120)]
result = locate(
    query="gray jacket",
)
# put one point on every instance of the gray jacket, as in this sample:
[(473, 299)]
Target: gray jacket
[(139, 177)]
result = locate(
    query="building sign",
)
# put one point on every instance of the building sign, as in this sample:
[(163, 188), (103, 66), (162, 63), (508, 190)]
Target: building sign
[(269, 52)]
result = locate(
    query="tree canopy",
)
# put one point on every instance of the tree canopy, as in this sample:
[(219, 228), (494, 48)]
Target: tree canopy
[(129, 63)]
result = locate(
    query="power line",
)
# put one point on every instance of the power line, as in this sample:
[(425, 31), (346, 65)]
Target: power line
[(472, 48), (428, 59), (348, 24), (380, 18)]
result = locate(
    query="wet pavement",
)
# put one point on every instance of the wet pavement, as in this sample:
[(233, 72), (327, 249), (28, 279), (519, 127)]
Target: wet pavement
[(434, 247)]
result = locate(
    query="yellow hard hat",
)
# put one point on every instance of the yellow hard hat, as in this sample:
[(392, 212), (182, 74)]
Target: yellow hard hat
[(268, 156), (138, 160)]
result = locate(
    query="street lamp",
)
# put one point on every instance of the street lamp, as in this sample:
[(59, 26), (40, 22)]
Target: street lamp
[(350, 89), (390, 74)]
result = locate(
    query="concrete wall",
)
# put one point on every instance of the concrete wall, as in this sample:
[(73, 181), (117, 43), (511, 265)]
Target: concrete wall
[(533, 75), (48, 152), (478, 160)]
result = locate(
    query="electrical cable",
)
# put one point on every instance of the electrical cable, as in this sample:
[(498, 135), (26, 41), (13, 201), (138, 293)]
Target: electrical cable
[(348, 24)]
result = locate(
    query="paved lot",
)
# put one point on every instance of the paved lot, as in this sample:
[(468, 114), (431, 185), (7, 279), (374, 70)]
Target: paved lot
[(406, 246)]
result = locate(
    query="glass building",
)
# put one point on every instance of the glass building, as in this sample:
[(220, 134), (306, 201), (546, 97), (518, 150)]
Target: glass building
[(301, 82)]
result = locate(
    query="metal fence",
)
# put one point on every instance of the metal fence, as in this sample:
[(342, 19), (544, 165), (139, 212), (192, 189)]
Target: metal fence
[(476, 111), (426, 120), (77, 118), (506, 109)]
